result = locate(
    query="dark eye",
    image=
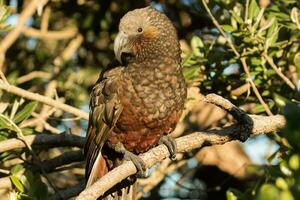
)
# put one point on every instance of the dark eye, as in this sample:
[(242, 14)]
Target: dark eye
[(140, 30)]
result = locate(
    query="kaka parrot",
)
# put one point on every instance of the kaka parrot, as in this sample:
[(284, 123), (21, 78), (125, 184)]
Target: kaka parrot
[(135, 105)]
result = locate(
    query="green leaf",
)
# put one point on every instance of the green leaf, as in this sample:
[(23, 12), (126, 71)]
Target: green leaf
[(268, 192), (272, 34), (4, 135), (29, 181), (188, 60), (267, 24), (4, 13), (256, 61), (294, 162), (42, 190), (284, 168), (258, 109), (253, 10), (236, 17), (25, 112), (258, 18), (281, 183), (16, 169), (272, 28), (230, 195), (295, 15), (191, 73), (5, 124), (197, 45), (286, 195), (280, 100), (228, 28), (16, 181), (297, 61)]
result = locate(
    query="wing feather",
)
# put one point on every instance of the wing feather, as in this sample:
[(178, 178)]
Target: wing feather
[(105, 111)]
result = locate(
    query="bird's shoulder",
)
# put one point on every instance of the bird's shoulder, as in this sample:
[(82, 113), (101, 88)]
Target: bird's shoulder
[(106, 85)]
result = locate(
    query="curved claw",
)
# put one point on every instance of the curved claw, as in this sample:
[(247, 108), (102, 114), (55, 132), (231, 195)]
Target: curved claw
[(137, 161), (171, 145), (129, 156)]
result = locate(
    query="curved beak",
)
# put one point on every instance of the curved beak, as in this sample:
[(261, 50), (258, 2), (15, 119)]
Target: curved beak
[(121, 46)]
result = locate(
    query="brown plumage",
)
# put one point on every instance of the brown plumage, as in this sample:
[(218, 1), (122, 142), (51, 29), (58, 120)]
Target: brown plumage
[(134, 105)]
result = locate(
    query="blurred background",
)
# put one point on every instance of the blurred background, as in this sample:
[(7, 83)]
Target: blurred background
[(60, 50)]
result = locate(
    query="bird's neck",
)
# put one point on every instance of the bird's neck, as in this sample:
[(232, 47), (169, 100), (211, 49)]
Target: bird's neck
[(157, 64)]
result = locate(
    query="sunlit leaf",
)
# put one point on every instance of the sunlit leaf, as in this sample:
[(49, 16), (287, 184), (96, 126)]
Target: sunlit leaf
[(297, 61), (231, 196), (253, 9), (236, 17), (295, 15), (16, 169), (272, 34), (281, 183), (286, 195), (268, 192), (25, 112), (228, 28), (4, 123), (16, 181), (294, 162), (197, 45)]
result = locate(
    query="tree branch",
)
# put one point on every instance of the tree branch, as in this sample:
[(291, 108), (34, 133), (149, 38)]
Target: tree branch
[(63, 159), (59, 140), (50, 35), (259, 125), (14, 34), (46, 100)]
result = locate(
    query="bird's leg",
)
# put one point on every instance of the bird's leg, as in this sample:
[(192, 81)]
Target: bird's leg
[(129, 156), (171, 145)]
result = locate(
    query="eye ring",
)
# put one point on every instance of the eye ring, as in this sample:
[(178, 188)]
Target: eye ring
[(140, 30)]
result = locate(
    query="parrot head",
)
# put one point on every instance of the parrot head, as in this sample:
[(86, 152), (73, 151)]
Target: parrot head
[(145, 33)]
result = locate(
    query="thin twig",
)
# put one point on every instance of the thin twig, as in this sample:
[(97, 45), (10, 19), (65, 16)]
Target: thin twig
[(45, 19), (33, 75), (240, 90), (255, 90), (50, 35), (14, 34), (63, 159), (59, 140), (46, 100), (69, 50), (45, 111), (3, 78), (220, 28), (278, 71)]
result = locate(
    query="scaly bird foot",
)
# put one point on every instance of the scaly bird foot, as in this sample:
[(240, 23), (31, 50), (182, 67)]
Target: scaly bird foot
[(171, 145), (129, 156), (138, 162)]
